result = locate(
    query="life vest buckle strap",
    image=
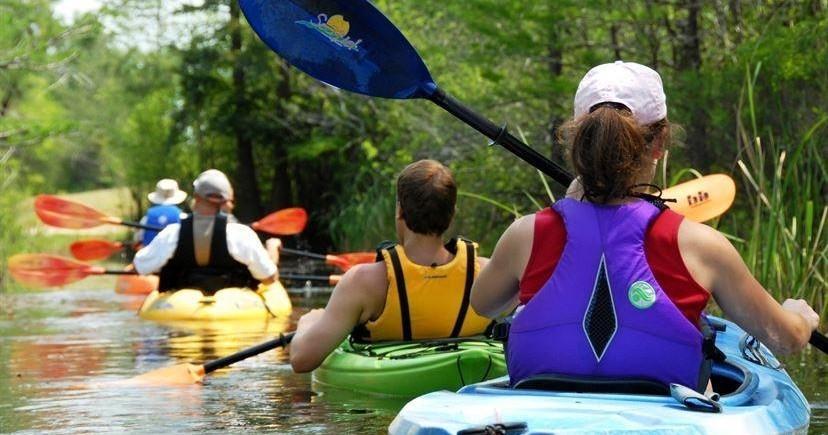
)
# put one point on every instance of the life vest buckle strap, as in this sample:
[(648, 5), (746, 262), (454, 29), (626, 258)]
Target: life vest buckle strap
[(693, 400)]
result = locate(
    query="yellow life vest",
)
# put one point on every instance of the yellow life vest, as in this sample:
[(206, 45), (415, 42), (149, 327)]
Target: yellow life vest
[(425, 302)]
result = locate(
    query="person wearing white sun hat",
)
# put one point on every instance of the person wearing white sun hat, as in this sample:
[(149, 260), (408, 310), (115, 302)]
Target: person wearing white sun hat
[(610, 283), (207, 250), (164, 211)]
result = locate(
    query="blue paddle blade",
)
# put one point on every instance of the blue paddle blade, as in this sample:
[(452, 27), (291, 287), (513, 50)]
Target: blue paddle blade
[(348, 44)]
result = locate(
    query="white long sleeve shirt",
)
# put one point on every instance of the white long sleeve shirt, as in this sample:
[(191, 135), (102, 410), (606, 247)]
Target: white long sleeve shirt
[(242, 243)]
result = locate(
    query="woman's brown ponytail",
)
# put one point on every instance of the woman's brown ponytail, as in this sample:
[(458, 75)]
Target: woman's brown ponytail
[(608, 150)]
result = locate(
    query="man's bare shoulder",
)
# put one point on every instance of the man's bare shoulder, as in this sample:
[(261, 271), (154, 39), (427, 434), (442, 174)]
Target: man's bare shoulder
[(368, 278)]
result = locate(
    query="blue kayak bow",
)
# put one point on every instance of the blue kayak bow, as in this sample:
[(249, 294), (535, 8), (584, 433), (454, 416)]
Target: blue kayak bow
[(351, 45)]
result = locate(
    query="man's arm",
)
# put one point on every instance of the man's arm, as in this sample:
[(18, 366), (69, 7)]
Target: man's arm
[(354, 301), (153, 257), (495, 290)]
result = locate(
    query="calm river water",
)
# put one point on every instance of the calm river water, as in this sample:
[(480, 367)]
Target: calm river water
[(62, 351)]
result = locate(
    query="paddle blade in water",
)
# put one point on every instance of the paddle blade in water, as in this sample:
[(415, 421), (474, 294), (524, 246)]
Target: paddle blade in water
[(284, 222), (181, 374), (41, 270), (62, 213), (94, 250), (345, 43), (704, 198)]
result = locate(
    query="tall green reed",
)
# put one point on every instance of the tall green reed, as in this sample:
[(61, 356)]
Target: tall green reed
[(784, 235)]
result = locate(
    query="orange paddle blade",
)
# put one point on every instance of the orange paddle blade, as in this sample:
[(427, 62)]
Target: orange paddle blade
[(181, 374), (704, 198), (355, 258), (59, 212), (44, 270), (339, 262), (286, 222), (93, 250)]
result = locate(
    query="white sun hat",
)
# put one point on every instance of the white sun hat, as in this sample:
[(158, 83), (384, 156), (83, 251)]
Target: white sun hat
[(167, 193), (636, 86)]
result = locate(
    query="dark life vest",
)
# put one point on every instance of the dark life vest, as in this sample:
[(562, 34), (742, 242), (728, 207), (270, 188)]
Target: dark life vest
[(222, 271)]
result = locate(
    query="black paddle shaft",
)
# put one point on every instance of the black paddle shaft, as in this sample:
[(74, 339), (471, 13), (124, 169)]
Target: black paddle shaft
[(819, 341), (141, 226), (214, 365), (500, 136), (303, 253)]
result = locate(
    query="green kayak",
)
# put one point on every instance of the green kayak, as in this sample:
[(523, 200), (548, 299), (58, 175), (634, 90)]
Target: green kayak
[(412, 368)]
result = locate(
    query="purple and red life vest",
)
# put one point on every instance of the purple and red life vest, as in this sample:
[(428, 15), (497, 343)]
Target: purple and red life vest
[(602, 314)]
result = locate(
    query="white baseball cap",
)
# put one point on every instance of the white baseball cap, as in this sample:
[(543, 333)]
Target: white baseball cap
[(213, 182), (636, 86), (167, 193)]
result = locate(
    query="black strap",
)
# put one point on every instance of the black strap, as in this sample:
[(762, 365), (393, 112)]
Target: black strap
[(400, 279), (185, 250), (464, 306), (710, 353)]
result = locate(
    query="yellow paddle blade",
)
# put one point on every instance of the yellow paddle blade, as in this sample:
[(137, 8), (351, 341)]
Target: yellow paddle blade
[(181, 374), (704, 198)]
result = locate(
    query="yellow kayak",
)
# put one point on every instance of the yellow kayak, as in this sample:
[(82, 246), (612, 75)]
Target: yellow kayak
[(226, 304)]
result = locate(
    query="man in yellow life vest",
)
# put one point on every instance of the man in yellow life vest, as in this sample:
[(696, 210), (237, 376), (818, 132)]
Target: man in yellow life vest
[(419, 291)]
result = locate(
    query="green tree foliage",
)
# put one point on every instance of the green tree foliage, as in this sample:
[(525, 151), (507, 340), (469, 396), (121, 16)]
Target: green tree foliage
[(169, 88)]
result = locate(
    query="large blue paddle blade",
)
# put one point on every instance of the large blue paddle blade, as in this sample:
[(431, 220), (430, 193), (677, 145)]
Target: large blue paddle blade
[(344, 43)]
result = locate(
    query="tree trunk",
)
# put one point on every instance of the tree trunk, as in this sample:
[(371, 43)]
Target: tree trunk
[(248, 200), (555, 66), (280, 184), (688, 63)]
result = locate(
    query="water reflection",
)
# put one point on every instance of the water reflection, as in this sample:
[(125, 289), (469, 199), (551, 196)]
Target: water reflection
[(61, 353)]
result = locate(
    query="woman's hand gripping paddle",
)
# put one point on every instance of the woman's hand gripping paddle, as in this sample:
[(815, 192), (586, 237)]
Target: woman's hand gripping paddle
[(186, 374), (709, 197), (351, 45)]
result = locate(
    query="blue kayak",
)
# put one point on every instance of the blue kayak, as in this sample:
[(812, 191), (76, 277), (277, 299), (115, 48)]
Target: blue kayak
[(757, 397)]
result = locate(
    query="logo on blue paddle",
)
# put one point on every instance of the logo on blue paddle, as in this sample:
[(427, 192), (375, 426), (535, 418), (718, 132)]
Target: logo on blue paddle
[(642, 295), (335, 28)]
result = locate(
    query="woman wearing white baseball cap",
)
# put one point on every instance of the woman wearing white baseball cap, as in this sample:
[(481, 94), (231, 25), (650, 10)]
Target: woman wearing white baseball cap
[(610, 283)]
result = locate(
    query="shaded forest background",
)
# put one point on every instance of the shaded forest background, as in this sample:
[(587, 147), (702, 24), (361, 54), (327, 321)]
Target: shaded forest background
[(146, 89)]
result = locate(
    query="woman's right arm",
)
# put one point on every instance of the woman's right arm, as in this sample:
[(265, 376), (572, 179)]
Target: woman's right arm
[(717, 266)]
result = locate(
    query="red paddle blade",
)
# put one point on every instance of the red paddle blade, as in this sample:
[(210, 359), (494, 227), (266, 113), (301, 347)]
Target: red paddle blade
[(355, 258), (285, 222), (94, 250), (338, 262), (43, 270), (59, 212)]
